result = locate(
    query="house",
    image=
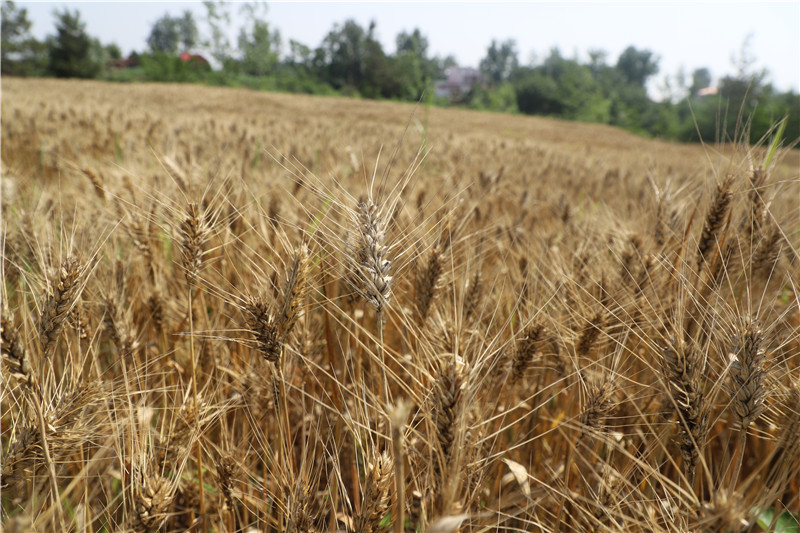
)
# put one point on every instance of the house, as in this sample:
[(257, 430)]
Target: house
[(195, 60), (123, 63), (458, 82), (706, 91)]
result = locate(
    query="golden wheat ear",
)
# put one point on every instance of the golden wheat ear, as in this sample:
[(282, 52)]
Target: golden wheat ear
[(368, 266), (748, 375), (264, 328), (715, 222), (375, 496), (65, 290), (683, 369), (13, 350), (194, 232), (527, 346)]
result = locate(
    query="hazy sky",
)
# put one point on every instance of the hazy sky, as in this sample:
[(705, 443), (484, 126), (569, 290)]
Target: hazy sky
[(683, 34)]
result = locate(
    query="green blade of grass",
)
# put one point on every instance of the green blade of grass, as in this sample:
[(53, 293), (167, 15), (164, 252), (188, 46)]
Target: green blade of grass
[(786, 522), (776, 141)]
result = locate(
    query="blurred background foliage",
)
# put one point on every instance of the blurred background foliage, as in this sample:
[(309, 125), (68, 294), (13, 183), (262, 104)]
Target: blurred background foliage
[(742, 106)]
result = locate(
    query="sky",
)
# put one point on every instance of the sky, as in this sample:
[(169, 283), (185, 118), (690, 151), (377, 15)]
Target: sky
[(684, 35)]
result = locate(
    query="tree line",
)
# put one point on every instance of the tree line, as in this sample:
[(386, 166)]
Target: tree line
[(351, 61)]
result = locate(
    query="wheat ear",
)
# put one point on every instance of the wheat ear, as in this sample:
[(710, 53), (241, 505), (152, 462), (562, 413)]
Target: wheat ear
[(63, 295), (715, 221), (369, 268), (369, 272), (526, 349), (14, 351), (375, 496), (747, 387), (683, 369)]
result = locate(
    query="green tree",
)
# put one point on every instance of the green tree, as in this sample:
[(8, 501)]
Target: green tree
[(597, 61), (73, 54), (300, 71), (414, 67), (259, 47), (740, 94), (164, 35), (538, 94), (500, 62), (20, 53), (381, 77), (218, 18), (173, 34), (561, 87), (442, 63), (701, 78), (187, 31), (343, 51), (637, 66), (501, 99), (113, 51), (299, 53)]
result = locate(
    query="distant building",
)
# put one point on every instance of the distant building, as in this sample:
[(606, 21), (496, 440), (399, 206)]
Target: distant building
[(458, 82), (195, 60), (123, 63), (706, 91)]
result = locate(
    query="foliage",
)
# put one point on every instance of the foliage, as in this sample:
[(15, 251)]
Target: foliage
[(561, 87), (701, 78), (170, 68), (72, 52), (501, 99), (637, 65), (113, 51), (343, 50), (351, 61), (217, 43), (500, 61), (20, 53), (260, 48), (416, 70), (173, 34)]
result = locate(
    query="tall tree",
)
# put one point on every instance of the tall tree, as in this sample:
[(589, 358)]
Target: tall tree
[(343, 50), (164, 35), (375, 65), (416, 70), (259, 47), (299, 54), (637, 66), (701, 78), (500, 62), (20, 53), (173, 34), (187, 31), (597, 61), (259, 44), (218, 18), (73, 54), (562, 87)]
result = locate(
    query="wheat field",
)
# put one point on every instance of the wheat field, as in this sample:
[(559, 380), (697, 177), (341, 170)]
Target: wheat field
[(225, 310)]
